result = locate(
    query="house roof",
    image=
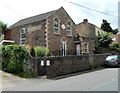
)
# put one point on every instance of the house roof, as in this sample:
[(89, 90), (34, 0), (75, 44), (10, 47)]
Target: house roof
[(33, 19)]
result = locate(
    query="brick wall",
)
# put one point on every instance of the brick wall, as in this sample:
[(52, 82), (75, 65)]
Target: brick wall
[(90, 43), (33, 38), (86, 29), (54, 40), (115, 37), (37, 37), (118, 38), (15, 35), (45, 36), (7, 35)]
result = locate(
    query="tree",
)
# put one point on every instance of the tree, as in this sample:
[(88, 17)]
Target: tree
[(106, 26), (3, 27), (115, 48), (115, 31), (104, 40), (32, 52), (116, 45)]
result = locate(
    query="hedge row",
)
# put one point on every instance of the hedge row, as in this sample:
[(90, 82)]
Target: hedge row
[(14, 57)]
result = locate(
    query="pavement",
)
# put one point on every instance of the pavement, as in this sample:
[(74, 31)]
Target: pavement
[(100, 80)]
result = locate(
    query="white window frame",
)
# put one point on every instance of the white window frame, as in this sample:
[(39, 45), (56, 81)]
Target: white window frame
[(78, 49), (69, 32), (56, 27), (64, 48), (22, 33), (86, 48)]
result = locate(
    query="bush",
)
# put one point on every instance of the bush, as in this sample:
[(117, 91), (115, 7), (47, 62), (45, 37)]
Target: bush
[(32, 52), (27, 47), (100, 50), (41, 51), (115, 46), (115, 50), (0, 62), (13, 58)]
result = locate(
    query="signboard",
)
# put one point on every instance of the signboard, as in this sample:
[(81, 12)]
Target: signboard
[(34, 28), (42, 63), (48, 62)]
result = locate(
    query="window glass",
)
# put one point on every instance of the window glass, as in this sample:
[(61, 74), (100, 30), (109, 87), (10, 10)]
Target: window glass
[(56, 26), (85, 48), (111, 57), (23, 36), (119, 57), (69, 29)]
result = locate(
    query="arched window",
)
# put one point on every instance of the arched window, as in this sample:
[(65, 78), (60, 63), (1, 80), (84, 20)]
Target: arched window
[(56, 26), (63, 47), (69, 33)]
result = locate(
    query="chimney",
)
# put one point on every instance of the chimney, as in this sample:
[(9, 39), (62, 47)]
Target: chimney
[(85, 20)]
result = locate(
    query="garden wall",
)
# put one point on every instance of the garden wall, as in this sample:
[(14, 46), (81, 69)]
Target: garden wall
[(57, 66)]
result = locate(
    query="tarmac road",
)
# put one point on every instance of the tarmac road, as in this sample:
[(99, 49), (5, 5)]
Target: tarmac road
[(100, 80)]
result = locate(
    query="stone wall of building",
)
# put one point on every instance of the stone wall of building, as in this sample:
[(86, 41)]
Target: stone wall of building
[(86, 29), (54, 40), (35, 34)]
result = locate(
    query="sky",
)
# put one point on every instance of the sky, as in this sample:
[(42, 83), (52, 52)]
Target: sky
[(15, 10)]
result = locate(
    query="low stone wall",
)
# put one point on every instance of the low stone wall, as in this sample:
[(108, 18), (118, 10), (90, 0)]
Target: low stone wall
[(99, 60), (66, 65), (31, 66), (57, 66)]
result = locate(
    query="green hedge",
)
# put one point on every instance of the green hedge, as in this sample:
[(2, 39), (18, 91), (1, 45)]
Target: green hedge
[(39, 51), (13, 58)]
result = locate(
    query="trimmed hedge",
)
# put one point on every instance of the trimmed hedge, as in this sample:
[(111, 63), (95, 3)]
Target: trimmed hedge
[(41, 51)]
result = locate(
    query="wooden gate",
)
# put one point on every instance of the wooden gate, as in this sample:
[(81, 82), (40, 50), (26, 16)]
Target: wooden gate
[(42, 67)]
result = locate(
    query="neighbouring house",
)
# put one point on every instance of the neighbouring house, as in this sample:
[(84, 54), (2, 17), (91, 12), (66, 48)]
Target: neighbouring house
[(56, 31), (116, 39), (88, 33)]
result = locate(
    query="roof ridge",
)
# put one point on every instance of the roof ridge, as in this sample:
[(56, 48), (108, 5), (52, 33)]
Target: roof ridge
[(46, 14), (37, 15)]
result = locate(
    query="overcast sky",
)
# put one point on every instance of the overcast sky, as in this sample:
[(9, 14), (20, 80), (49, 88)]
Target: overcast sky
[(14, 10)]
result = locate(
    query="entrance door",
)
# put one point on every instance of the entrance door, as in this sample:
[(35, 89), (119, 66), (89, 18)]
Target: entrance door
[(63, 47), (78, 49)]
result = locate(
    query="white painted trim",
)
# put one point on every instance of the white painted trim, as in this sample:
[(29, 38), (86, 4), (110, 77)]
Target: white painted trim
[(58, 26), (7, 41), (70, 31), (24, 29)]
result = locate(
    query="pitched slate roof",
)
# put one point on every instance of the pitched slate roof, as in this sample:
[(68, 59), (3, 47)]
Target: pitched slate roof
[(33, 19)]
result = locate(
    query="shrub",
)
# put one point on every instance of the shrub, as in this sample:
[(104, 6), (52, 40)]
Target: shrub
[(27, 47), (116, 46), (41, 51), (32, 52), (13, 58), (0, 57)]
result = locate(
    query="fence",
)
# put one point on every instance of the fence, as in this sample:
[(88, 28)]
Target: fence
[(67, 52)]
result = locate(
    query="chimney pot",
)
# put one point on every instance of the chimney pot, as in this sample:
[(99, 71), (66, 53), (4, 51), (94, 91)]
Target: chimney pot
[(85, 20)]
